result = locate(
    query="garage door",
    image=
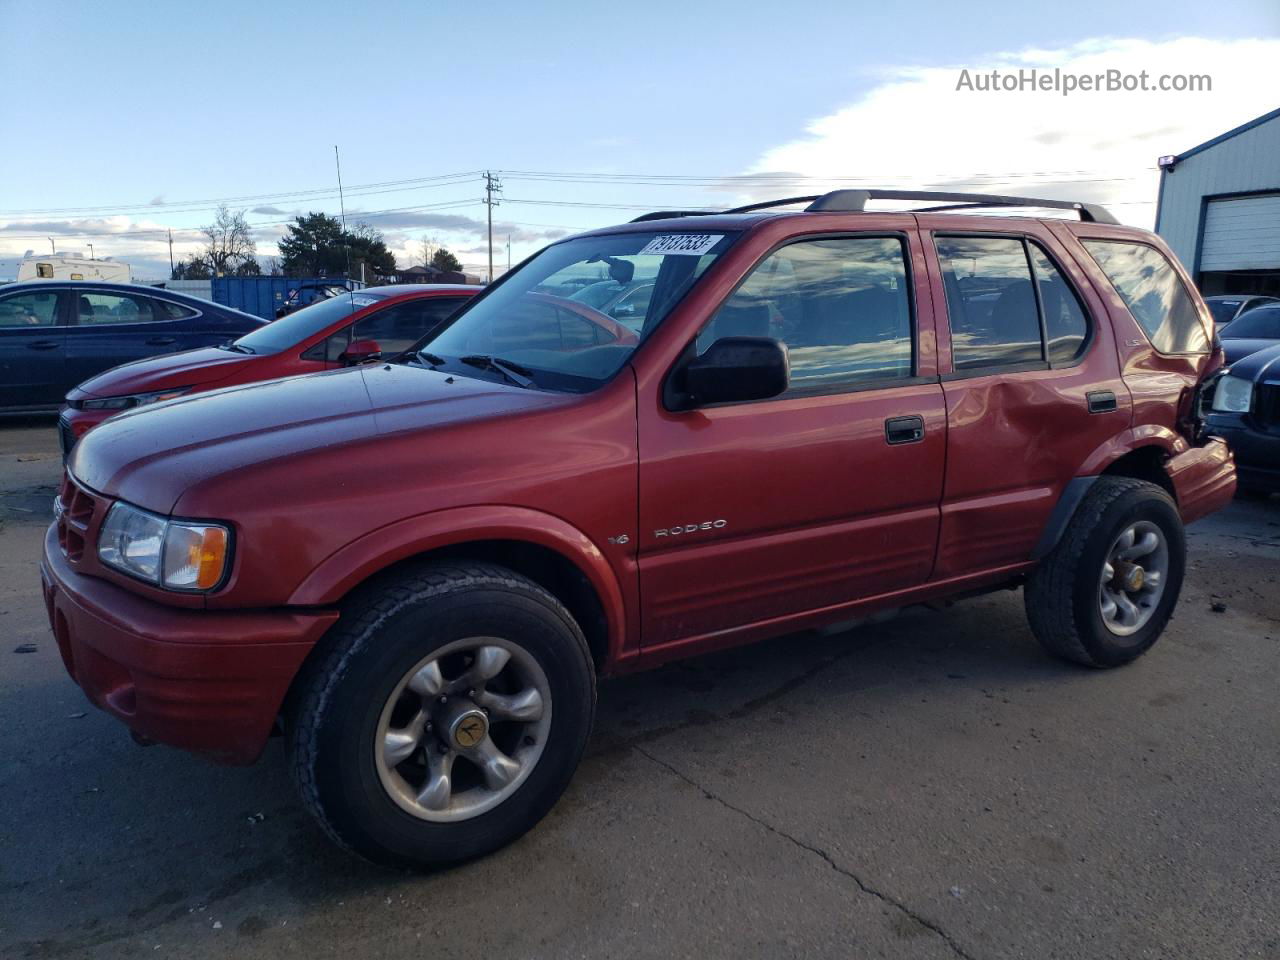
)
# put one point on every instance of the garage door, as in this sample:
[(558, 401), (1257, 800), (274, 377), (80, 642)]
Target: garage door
[(1242, 234)]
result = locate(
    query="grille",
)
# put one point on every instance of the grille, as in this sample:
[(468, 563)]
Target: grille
[(66, 439), (74, 508), (1268, 407)]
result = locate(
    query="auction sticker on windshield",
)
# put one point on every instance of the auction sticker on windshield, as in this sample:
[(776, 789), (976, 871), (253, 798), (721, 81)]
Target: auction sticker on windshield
[(686, 244)]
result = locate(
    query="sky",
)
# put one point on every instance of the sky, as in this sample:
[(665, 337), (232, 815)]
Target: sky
[(123, 121)]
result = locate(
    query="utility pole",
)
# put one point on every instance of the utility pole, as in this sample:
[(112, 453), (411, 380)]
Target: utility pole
[(91, 256), (51, 246), (508, 253), (170, 253), (492, 185)]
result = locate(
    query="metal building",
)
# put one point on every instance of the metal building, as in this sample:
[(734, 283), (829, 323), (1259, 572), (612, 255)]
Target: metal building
[(1219, 208)]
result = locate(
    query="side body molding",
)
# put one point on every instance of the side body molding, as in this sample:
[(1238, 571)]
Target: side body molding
[(362, 558)]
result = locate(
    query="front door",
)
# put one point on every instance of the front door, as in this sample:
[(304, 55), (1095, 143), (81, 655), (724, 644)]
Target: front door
[(33, 348), (829, 493)]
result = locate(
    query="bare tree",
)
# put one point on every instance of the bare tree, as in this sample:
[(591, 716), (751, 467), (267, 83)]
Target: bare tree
[(230, 243)]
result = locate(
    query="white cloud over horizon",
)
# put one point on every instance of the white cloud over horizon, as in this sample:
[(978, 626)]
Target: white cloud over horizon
[(915, 130)]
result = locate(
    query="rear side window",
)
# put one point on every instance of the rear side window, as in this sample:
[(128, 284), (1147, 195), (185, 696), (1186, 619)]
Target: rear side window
[(1008, 304), (1154, 294), (102, 308), (841, 306)]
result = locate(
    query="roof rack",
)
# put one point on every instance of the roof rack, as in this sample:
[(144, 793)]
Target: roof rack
[(855, 201)]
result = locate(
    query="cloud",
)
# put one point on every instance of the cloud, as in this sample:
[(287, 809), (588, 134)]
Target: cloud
[(157, 200), (916, 130), (269, 211)]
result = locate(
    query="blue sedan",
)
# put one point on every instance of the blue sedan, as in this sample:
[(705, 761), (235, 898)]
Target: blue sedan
[(54, 335)]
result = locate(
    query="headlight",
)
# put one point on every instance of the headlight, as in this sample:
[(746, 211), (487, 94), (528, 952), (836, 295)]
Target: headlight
[(133, 400), (169, 553), (1233, 395)]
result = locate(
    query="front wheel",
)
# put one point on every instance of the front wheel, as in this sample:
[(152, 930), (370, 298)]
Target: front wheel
[(445, 716), (1104, 594)]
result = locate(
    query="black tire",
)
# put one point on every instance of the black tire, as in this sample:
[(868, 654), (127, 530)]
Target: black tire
[(1061, 594), (386, 629)]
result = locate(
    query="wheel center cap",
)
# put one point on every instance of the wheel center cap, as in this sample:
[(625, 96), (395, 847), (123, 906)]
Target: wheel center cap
[(1134, 579), (468, 728)]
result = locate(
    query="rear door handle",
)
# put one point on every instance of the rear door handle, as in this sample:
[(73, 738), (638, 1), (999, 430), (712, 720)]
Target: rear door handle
[(904, 430), (161, 341), (1101, 401), (43, 345)]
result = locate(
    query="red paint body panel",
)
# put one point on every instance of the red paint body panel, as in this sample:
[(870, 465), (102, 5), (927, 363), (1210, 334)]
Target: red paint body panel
[(210, 368), (327, 480)]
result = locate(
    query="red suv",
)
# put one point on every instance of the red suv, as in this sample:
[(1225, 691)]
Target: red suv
[(353, 328), (417, 570)]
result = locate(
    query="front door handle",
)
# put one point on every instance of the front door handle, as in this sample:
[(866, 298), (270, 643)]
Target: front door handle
[(904, 430), (42, 345), (161, 341)]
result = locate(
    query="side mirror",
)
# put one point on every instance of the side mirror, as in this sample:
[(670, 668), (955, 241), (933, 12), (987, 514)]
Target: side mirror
[(360, 351), (738, 369)]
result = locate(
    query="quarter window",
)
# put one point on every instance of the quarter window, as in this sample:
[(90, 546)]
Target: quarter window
[(1154, 294), (841, 306)]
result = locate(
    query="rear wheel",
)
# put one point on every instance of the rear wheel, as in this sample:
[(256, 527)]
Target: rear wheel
[(445, 717), (1104, 594)]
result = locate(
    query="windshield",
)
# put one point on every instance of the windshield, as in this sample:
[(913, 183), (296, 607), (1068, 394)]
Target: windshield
[(1260, 324), (291, 330), (564, 342), (1222, 310)]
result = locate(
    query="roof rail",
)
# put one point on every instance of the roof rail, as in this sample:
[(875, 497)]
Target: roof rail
[(855, 201)]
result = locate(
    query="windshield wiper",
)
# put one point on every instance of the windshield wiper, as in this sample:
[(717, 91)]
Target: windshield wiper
[(237, 347), (512, 371), (428, 358)]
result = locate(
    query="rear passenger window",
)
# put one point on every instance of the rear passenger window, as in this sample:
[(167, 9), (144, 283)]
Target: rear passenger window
[(841, 306), (1065, 326), (1154, 294), (990, 302), (99, 308)]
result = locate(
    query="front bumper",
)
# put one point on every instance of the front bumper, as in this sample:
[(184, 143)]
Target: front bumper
[(1257, 453), (208, 681)]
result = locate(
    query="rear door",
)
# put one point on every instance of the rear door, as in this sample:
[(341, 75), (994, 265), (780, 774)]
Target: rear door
[(33, 336), (752, 512), (112, 328), (1031, 381)]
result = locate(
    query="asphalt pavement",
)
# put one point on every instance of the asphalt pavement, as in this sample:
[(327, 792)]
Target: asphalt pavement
[(934, 786)]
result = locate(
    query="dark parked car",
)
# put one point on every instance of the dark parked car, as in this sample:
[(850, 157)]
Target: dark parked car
[(1226, 307), (57, 334), (306, 295), (1245, 411), (1256, 330)]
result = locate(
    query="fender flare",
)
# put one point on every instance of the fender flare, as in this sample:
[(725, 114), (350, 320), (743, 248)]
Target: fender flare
[(1127, 441), (351, 565)]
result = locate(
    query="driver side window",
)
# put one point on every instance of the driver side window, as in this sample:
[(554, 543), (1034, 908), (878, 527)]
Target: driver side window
[(841, 306)]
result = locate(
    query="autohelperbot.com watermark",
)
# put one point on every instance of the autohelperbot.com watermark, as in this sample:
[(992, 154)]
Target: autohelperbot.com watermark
[(1066, 82)]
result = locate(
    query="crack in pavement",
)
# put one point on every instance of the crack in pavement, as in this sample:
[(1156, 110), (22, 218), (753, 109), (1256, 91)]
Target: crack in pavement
[(817, 851)]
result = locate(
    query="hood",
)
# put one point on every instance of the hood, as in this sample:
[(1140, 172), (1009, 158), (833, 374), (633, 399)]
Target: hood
[(1237, 348), (186, 369), (1260, 365), (151, 454)]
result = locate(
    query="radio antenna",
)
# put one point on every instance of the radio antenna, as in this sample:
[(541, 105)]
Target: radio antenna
[(346, 241)]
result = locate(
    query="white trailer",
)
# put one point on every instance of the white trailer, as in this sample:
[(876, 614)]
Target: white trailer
[(73, 268)]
